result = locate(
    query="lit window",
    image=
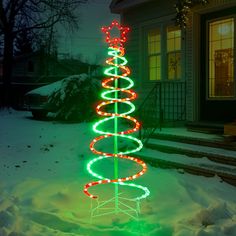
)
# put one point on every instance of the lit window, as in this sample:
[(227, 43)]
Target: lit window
[(174, 52), (221, 58), (154, 54)]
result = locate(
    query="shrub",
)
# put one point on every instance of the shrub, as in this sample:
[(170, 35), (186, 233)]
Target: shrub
[(75, 99)]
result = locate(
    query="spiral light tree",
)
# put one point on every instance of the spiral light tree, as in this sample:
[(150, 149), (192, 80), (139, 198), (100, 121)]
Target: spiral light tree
[(114, 96)]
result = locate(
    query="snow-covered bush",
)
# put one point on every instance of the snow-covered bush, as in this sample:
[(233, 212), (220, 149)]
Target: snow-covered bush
[(74, 100)]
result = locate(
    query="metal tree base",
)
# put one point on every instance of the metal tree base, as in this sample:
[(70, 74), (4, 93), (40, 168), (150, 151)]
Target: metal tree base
[(116, 205)]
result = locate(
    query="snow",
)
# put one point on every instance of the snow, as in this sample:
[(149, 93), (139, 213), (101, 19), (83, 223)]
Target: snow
[(196, 148), (42, 174), (203, 162), (50, 88), (182, 131)]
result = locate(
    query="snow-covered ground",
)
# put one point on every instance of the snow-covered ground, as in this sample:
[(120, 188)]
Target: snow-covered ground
[(42, 173)]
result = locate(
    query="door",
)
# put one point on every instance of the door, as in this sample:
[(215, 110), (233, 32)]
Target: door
[(217, 84)]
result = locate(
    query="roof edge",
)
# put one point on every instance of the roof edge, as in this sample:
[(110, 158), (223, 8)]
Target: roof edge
[(117, 6)]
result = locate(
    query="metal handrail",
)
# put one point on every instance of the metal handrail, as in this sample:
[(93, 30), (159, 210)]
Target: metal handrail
[(166, 101), (148, 113)]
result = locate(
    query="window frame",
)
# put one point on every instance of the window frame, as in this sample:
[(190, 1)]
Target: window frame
[(175, 51), (163, 52), (154, 54)]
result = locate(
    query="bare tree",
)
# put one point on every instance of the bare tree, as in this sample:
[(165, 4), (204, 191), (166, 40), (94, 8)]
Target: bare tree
[(1, 45), (23, 43), (31, 15)]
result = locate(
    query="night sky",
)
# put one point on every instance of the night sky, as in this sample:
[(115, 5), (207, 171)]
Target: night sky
[(88, 40)]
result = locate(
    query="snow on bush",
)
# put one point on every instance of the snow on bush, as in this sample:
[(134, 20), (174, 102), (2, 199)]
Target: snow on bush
[(75, 98)]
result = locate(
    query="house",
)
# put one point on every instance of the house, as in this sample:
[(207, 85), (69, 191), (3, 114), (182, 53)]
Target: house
[(183, 73), (36, 69)]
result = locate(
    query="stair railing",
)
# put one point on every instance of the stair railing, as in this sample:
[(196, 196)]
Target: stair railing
[(166, 101), (149, 113)]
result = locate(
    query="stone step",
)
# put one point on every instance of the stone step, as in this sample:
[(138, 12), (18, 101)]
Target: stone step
[(215, 154), (197, 166)]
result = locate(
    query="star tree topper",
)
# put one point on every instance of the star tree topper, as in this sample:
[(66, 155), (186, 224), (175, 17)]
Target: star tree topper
[(115, 41)]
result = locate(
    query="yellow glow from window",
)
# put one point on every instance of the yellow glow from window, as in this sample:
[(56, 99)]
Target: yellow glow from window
[(154, 53), (174, 65), (154, 41), (221, 58), (174, 52), (155, 67), (173, 39)]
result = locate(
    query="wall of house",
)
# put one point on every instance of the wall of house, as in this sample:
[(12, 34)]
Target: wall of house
[(136, 19), (193, 61), (38, 68), (24, 72), (161, 11), (139, 19)]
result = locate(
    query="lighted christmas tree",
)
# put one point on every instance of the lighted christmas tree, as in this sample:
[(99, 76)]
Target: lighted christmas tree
[(116, 96)]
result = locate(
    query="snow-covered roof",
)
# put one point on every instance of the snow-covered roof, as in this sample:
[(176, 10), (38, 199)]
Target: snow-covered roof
[(118, 6)]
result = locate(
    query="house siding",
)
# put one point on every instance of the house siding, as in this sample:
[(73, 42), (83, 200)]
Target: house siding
[(143, 16), (20, 68), (139, 19), (190, 62), (193, 55)]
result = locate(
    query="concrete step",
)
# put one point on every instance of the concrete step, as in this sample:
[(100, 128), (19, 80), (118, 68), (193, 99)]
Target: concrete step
[(215, 154), (209, 140), (197, 166), (206, 127)]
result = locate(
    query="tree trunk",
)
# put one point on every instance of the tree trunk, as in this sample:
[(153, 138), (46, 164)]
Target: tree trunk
[(7, 68)]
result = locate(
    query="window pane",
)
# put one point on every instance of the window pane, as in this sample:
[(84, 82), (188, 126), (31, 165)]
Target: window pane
[(221, 58), (155, 67), (153, 62), (173, 52), (154, 41), (174, 65), (173, 38), (170, 45)]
